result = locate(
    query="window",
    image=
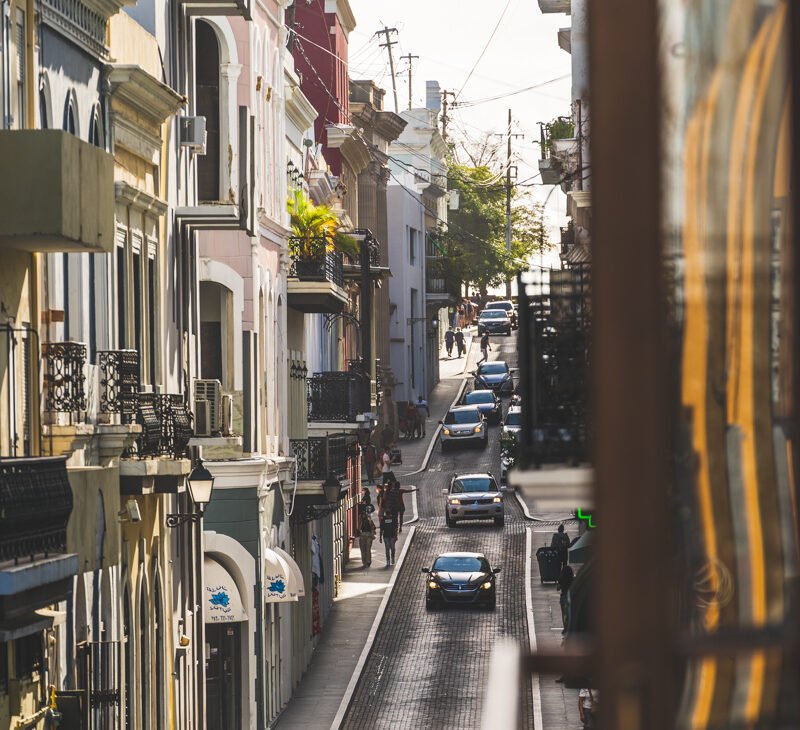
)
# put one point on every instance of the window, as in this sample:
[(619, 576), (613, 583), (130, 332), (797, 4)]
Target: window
[(69, 117), (207, 95), (474, 484), (448, 564), (95, 129), (144, 659), (43, 115), (465, 416), (3, 667), (479, 396), (122, 291), (493, 368), (412, 245), (159, 684), (21, 67), (128, 658), (28, 655), (152, 325), (137, 300)]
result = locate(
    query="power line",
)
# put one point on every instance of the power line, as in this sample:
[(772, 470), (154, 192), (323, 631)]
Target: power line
[(534, 87), (388, 46), (485, 48)]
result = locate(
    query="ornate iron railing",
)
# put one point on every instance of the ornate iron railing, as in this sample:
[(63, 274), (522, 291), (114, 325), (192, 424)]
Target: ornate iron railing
[(338, 396), (312, 261), (64, 377), (434, 285), (35, 506), (166, 425), (317, 457), (120, 381)]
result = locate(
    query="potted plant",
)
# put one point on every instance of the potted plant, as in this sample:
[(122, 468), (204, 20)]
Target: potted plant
[(316, 230)]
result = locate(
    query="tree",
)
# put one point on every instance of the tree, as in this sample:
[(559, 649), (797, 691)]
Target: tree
[(475, 239), (315, 226)]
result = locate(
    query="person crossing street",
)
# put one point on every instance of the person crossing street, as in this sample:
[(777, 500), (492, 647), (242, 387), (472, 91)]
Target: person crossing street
[(485, 348)]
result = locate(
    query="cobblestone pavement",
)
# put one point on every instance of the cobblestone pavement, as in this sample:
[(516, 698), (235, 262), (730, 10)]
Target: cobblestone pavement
[(429, 669)]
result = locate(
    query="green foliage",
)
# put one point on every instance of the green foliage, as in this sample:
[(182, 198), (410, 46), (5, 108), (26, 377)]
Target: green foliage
[(314, 223), (560, 128), (475, 240)]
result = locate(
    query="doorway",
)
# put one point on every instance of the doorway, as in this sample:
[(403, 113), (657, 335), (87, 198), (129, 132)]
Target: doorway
[(223, 676)]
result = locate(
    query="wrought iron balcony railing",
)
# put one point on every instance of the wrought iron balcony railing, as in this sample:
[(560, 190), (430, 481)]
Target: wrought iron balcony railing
[(338, 396), (317, 457), (120, 382), (313, 261), (166, 423), (65, 377), (35, 506)]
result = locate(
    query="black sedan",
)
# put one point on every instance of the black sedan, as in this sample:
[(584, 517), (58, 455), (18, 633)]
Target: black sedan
[(496, 376), (488, 404), (464, 579)]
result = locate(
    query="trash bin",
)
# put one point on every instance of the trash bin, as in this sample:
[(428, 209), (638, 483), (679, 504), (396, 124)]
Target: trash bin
[(549, 564), (396, 455)]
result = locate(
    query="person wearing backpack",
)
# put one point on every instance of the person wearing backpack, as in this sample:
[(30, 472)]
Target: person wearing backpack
[(370, 457), (388, 534), (366, 535), (560, 542)]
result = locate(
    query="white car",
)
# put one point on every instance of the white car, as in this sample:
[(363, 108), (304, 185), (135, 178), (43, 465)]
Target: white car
[(463, 425), (512, 423)]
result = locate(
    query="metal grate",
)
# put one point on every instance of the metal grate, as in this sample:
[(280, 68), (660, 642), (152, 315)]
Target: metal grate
[(313, 261), (317, 457), (64, 377), (338, 396), (120, 381)]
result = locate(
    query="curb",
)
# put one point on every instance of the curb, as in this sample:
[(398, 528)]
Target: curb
[(536, 686), (344, 706), (528, 516)]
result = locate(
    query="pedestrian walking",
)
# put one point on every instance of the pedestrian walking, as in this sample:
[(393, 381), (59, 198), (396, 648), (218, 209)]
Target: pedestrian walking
[(370, 458), (449, 339), (365, 537), (386, 467), (388, 534), (395, 502), (560, 542), (365, 501), (387, 437), (565, 578), (411, 420), (423, 413), (485, 348), (588, 707), (459, 337)]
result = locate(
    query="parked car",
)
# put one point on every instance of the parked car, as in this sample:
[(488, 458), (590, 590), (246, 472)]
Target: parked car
[(460, 578), (487, 402), (494, 322), (496, 376), (463, 424), (512, 423), (508, 307), (473, 497)]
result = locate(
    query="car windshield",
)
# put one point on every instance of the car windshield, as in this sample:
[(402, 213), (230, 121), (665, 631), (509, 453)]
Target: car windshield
[(453, 564), (479, 397), (471, 415), (493, 314), (473, 484), (514, 419), (493, 368), (507, 306)]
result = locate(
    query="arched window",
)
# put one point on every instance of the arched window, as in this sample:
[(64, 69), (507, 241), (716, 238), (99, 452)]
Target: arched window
[(144, 660), (207, 95), (70, 124), (96, 128), (44, 111)]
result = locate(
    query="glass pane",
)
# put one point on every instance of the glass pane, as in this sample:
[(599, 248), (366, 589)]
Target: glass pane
[(729, 269)]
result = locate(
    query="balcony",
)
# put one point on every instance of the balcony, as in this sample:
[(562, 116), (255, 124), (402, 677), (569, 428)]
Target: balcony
[(555, 6), (351, 265), (436, 290), (339, 398), (35, 507), (316, 277), (317, 457), (72, 183)]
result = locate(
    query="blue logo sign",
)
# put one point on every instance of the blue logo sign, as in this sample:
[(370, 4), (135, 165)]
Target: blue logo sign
[(277, 586), (220, 599)]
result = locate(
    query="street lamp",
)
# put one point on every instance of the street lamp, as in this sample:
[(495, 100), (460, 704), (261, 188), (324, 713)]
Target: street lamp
[(331, 488), (201, 484)]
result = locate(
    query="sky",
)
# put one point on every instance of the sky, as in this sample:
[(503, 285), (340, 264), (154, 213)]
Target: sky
[(448, 36)]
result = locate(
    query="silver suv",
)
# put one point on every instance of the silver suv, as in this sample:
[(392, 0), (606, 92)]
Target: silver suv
[(463, 424), (474, 497)]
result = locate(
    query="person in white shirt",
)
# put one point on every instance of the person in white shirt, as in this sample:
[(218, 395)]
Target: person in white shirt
[(386, 466), (587, 707)]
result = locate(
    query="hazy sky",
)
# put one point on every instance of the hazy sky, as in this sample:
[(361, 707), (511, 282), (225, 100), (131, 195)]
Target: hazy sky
[(448, 36)]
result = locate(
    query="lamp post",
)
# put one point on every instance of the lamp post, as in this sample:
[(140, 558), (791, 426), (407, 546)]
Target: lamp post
[(331, 488), (201, 484)]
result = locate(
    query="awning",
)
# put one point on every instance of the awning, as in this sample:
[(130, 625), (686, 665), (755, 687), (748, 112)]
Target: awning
[(280, 577), (223, 604), (298, 584)]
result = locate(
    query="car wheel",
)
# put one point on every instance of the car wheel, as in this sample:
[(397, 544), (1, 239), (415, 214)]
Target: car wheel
[(499, 521), (429, 606), (445, 447), (448, 521), (508, 332), (491, 605)]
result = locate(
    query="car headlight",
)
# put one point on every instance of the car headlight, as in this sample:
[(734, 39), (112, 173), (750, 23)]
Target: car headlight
[(497, 499), (478, 428), (455, 501), (433, 584), (487, 585), (446, 431)]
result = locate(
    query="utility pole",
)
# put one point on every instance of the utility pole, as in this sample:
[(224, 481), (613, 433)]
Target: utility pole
[(445, 118), (509, 136), (408, 57), (388, 45)]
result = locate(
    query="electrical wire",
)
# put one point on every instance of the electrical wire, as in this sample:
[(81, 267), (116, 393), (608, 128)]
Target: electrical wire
[(467, 104), (485, 48)]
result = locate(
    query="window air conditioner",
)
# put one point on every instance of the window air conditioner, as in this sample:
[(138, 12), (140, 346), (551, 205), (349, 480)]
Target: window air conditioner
[(193, 133), (207, 407)]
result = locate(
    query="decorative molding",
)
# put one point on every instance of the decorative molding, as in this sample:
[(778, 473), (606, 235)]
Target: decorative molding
[(129, 135), (344, 12), (353, 148), (138, 199), (83, 25), (145, 93)]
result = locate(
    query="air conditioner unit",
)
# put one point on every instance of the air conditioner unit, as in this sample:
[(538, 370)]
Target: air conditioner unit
[(227, 415), (207, 407), (193, 133)]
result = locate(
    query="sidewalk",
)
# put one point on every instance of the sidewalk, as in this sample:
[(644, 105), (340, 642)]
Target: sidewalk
[(316, 699)]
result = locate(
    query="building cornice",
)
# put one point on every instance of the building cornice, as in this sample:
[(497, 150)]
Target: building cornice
[(298, 108), (145, 93), (353, 148), (389, 125), (139, 200), (344, 12)]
